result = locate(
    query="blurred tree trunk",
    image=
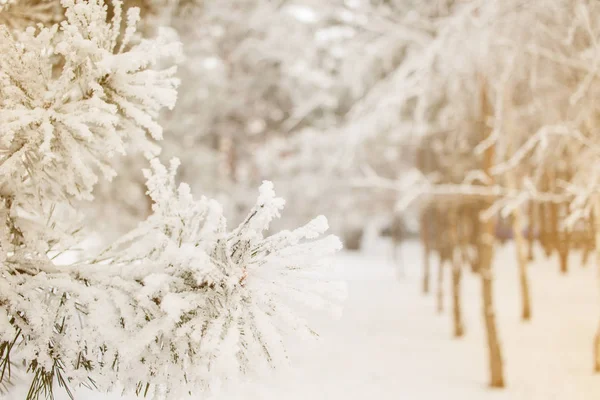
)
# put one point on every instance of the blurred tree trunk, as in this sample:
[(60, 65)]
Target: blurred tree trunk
[(398, 233), (486, 254), (475, 236), (353, 239), (563, 251), (521, 247), (495, 354), (563, 238), (554, 234), (228, 165), (588, 240), (441, 243), (545, 219), (425, 239), (531, 232), (456, 274), (544, 228), (427, 220)]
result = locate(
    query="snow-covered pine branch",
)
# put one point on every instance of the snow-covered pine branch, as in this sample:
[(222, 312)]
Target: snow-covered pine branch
[(76, 93), (218, 303), (179, 303)]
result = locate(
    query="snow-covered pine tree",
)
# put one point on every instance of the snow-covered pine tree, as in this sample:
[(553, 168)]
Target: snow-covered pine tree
[(178, 304)]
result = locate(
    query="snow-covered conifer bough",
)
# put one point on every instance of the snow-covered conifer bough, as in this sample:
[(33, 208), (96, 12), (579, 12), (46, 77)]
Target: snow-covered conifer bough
[(174, 307)]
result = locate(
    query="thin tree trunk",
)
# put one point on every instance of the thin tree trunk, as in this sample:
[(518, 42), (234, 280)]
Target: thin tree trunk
[(459, 328), (425, 239), (545, 218), (457, 322), (555, 233), (487, 248), (544, 228), (495, 354), (521, 246), (397, 238), (563, 256), (531, 232), (426, 269), (588, 240), (440, 285), (229, 159), (476, 235), (563, 238)]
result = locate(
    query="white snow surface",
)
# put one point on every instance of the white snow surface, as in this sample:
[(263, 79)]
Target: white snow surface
[(391, 344)]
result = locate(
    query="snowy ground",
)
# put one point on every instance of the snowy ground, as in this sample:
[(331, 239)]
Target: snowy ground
[(391, 343)]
